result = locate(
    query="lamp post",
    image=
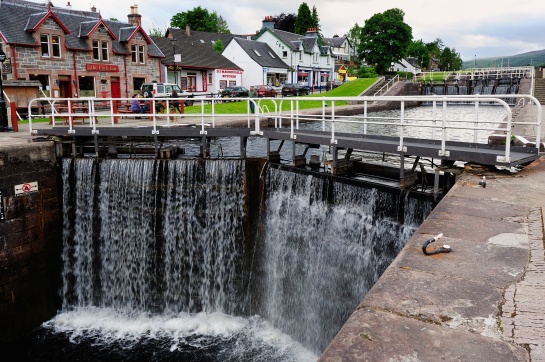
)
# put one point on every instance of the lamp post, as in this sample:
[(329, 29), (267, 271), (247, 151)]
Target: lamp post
[(3, 110), (173, 42)]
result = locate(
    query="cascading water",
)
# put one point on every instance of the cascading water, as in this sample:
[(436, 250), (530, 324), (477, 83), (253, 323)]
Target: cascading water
[(156, 265), (326, 244)]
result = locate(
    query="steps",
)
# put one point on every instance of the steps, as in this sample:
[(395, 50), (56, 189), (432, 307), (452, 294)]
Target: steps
[(539, 90)]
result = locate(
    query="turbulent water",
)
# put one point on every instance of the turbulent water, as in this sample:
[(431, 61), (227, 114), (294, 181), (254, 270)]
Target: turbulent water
[(157, 268)]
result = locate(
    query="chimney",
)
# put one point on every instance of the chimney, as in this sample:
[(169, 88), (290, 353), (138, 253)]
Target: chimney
[(93, 9), (187, 30), (312, 33), (135, 19), (268, 23), (69, 6)]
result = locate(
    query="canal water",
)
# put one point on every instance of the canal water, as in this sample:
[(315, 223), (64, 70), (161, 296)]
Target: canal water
[(156, 266)]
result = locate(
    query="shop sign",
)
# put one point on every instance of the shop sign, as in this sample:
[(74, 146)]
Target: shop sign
[(102, 67)]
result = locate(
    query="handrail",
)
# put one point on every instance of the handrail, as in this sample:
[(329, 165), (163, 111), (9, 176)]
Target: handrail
[(291, 110), (393, 82)]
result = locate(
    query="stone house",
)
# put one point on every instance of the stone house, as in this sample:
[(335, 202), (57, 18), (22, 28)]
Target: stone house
[(76, 53), (309, 62), (341, 48)]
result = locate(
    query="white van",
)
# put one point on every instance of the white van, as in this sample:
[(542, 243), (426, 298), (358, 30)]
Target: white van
[(164, 90)]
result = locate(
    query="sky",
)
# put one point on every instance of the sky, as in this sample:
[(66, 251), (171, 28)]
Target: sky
[(475, 29)]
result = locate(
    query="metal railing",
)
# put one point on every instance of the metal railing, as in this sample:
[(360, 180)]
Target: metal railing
[(293, 111), (386, 88)]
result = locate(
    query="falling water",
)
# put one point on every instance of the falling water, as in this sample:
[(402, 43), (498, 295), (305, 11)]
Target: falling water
[(326, 243), (156, 261)]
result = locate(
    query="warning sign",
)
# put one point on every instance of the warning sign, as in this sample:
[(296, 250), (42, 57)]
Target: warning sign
[(26, 188)]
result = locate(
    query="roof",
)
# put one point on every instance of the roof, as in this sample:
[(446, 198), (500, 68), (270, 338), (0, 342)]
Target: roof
[(296, 42), (195, 54), (19, 19), (261, 53), (336, 41)]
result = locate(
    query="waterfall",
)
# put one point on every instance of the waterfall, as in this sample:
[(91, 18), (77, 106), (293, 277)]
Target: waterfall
[(156, 257), (325, 246), (145, 235)]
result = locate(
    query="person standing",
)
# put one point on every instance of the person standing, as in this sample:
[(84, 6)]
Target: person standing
[(175, 102), (252, 94)]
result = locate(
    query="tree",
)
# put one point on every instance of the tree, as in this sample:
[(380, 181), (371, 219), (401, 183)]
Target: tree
[(354, 36), (285, 22), (316, 22), (304, 19), (222, 26), (417, 49), (218, 46), (157, 32), (197, 19), (385, 38), (435, 48), (450, 60)]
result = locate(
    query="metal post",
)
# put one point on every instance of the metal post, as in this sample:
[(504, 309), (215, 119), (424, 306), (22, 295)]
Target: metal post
[(3, 109)]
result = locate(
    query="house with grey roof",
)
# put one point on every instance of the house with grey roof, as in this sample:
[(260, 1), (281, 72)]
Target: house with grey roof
[(192, 63), (310, 62), (260, 63), (341, 48), (75, 53)]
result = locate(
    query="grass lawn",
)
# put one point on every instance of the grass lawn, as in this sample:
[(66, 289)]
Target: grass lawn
[(349, 89)]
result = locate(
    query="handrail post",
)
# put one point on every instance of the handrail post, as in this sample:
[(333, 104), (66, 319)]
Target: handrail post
[(443, 151), (401, 148), (434, 116), (365, 117), (333, 140)]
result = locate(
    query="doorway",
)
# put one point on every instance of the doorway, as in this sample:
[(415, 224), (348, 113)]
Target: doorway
[(115, 87)]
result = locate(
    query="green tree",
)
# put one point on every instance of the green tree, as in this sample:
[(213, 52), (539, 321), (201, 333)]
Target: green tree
[(198, 19), (435, 48), (417, 49), (157, 32), (354, 36), (304, 19), (285, 22), (222, 26), (316, 22), (384, 39), (450, 60), (218, 46)]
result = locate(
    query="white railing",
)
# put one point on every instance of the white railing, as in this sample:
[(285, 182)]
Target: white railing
[(293, 110), (385, 88)]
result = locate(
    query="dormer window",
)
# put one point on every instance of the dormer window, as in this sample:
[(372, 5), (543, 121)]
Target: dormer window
[(50, 45), (101, 50), (256, 52)]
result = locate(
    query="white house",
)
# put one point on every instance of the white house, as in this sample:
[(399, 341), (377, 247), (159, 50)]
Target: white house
[(260, 63), (308, 62), (341, 48), (407, 65)]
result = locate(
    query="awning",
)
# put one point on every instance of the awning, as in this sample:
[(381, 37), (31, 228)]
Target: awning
[(302, 74)]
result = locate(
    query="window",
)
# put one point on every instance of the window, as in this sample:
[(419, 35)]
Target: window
[(50, 45), (101, 50), (256, 52), (137, 53), (271, 54), (284, 54)]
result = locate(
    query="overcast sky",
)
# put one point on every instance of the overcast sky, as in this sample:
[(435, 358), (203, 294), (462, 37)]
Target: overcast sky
[(482, 28)]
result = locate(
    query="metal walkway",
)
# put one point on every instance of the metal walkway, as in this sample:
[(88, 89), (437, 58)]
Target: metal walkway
[(102, 123)]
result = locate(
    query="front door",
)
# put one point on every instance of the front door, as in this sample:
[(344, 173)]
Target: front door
[(115, 88)]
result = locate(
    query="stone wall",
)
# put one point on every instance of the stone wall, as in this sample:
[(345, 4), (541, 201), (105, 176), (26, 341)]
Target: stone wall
[(30, 238)]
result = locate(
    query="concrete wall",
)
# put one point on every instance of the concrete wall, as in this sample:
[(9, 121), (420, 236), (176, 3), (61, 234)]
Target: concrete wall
[(30, 238)]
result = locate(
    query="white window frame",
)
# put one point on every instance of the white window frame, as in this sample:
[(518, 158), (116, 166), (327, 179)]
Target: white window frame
[(45, 42), (56, 46)]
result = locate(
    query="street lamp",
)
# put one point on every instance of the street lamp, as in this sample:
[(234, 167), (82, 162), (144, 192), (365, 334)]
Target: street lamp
[(173, 42), (3, 110)]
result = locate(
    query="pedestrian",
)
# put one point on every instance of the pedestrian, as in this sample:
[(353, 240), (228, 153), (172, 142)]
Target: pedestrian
[(175, 103), (252, 94), (135, 104)]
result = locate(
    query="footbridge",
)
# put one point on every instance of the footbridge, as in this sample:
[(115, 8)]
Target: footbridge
[(304, 127)]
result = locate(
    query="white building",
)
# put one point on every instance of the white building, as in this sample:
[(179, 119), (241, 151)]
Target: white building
[(260, 63), (308, 62), (407, 65)]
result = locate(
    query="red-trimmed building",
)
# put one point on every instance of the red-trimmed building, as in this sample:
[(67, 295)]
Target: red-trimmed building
[(76, 53)]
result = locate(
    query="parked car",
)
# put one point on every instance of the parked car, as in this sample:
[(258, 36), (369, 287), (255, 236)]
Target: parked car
[(333, 84), (234, 92), (164, 90), (265, 90), (294, 89)]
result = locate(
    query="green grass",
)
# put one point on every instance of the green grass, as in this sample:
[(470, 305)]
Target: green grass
[(349, 89)]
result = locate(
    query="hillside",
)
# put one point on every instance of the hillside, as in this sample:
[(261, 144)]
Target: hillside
[(536, 58)]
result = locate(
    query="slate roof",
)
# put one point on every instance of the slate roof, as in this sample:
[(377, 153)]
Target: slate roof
[(18, 19), (265, 60), (195, 54), (296, 41), (335, 42)]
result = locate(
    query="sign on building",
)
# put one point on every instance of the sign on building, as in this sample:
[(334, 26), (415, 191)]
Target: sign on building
[(26, 188)]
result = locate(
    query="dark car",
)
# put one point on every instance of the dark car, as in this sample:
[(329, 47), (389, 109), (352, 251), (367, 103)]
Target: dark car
[(265, 90), (294, 89), (234, 92), (333, 84)]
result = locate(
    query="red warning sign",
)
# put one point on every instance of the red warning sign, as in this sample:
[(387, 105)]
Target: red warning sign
[(26, 188)]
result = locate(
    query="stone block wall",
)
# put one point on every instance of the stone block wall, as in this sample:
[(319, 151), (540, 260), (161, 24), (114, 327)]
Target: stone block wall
[(30, 238)]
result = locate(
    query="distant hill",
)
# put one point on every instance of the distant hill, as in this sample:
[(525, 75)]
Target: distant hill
[(535, 58)]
